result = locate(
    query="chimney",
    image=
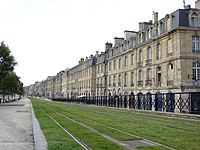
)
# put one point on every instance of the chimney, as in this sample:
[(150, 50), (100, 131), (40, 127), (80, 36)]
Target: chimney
[(188, 7), (140, 26), (197, 4), (97, 53), (129, 34), (118, 41), (108, 46), (155, 16)]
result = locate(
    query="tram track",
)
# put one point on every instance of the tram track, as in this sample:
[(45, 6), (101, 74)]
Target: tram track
[(81, 143), (121, 143), (178, 126)]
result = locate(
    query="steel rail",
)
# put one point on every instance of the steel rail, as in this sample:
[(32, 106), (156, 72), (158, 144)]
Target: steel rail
[(124, 132), (81, 143)]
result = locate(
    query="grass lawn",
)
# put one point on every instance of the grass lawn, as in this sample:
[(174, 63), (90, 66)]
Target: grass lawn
[(173, 132)]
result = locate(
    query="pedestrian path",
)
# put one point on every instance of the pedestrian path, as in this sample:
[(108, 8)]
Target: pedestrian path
[(19, 129)]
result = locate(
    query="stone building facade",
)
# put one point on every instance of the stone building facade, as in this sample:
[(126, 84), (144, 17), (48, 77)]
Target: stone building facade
[(163, 56), (82, 78)]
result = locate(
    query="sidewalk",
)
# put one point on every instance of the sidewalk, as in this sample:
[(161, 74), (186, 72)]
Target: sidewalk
[(19, 129)]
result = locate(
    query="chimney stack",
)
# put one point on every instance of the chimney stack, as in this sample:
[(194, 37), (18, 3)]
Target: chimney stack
[(108, 46), (155, 16)]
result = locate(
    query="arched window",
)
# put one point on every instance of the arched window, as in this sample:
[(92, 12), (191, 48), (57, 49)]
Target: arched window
[(194, 20), (148, 34)]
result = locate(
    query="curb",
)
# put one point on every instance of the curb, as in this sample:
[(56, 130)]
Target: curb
[(39, 138)]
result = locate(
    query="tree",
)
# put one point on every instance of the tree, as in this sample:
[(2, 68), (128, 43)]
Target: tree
[(7, 61), (9, 82)]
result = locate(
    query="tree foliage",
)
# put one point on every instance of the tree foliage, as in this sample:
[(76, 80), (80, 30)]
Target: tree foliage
[(9, 82)]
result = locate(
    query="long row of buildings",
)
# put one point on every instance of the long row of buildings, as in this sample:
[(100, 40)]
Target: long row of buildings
[(163, 56)]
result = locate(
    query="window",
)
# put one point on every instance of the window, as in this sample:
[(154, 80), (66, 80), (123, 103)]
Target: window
[(168, 23), (170, 66), (149, 53), (122, 47), (140, 78), (195, 44), (142, 37), (132, 78), (149, 74), (125, 61), (139, 39), (132, 59), (140, 75), (109, 66), (109, 81), (119, 80), (196, 71), (101, 68), (128, 45), (114, 65), (125, 80), (148, 36), (159, 75), (158, 51), (119, 63), (194, 20), (140, 56), (112, 51), (114, 81)]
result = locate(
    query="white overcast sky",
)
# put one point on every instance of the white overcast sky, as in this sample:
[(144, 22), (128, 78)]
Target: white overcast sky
[(47, 36)]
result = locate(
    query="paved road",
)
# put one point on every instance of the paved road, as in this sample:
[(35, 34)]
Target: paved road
[(19, 129)]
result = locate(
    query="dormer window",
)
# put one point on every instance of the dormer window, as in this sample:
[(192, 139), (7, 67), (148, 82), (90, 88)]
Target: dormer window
[(148, 36), (168, 23), (194, 20)]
